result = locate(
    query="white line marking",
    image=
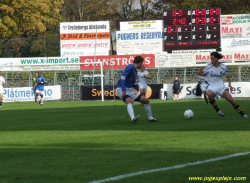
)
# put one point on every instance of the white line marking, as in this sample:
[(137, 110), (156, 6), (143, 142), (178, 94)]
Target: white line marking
[(169, 168)]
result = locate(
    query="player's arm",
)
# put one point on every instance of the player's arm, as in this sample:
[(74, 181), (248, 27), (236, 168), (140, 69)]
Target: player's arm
[(179, 85), (43, 81), (125, 73), (201, 73), (147, 76), (229, 82)]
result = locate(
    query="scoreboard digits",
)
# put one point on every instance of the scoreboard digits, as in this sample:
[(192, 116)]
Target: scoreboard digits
[(192, 28)]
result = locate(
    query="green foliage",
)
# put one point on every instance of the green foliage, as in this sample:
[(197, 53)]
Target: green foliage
[(28, 18)]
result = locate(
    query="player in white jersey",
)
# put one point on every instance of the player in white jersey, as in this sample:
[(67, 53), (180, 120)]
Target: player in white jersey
[(2, 81), (142, 78), (214, 76), (204, 85)]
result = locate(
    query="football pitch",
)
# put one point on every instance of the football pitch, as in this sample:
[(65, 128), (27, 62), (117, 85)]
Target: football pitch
[(94, 141)]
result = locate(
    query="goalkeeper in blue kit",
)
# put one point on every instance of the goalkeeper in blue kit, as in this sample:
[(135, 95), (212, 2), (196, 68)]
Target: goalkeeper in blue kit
[(40, 80)]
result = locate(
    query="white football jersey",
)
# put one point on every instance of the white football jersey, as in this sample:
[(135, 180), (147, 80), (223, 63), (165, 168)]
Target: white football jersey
[(2, 80), (215, 75), (141, 77)]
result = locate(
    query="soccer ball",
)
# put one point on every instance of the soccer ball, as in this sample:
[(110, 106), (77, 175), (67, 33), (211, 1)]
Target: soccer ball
[(189, 114)]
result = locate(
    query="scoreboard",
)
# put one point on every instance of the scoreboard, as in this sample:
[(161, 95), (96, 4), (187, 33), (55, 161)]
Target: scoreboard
[(192, 29)]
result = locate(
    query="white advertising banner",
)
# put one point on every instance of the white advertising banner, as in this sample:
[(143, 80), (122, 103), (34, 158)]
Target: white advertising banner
[(166, 60), (235, 19), (235, 44), (27, 94), (188, 91), (39, 64), (139, 42), (230, 58), (6, 64), (85, 38), (235, 26), (142, 25), (174, 60), (235, 31), (49, 63), (192, 51)]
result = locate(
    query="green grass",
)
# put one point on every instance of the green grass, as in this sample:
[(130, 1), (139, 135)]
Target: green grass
[(77, 142)]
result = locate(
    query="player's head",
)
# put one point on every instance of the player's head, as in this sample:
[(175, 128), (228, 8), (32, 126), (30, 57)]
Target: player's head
[(215, 57), (142, 68), (176, 78), (36, 73), (39, 74), (138, 61)]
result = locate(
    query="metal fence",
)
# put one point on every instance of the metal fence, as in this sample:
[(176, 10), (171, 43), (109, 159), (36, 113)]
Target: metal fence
[(72, 80)]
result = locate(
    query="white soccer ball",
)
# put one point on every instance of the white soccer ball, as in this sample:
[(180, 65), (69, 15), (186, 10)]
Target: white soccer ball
[(189, 114)]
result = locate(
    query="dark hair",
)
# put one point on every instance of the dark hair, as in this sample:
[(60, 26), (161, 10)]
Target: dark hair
[(138, 59), (216, 55)]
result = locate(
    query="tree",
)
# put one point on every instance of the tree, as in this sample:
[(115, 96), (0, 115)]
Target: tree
[(21, 18)]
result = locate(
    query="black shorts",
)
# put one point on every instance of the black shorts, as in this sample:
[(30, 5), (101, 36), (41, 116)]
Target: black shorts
[(176, 91)]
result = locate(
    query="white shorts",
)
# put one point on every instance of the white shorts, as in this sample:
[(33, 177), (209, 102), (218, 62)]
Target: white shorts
[(217, 89), (1, 89), (39, 92), (143, 86), (204, 86), (131, 92)]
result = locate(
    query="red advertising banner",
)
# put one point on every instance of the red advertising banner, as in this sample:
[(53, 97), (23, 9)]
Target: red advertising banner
[(114, 61)]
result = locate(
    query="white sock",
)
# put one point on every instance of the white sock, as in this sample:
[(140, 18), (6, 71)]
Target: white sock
[(147, 108), (130, 111)]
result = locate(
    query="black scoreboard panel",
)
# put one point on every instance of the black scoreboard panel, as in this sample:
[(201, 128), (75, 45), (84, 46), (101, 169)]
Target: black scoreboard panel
[(192, 29)]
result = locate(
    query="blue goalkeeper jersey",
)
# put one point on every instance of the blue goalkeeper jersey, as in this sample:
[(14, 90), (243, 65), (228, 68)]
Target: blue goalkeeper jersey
[(128, 78), (39, 85)]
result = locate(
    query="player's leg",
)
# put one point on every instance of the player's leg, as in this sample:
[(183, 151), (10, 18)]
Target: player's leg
[(178, 95), (236, 106), (174, 94), (129, 101), (211, 94), (41, 94), (36, 96), (205, 96), (144, 91), (203, 89), (147, 108)]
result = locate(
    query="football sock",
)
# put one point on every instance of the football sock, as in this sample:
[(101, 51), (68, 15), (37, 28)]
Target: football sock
[(205, 97), (130, 111), (147, 108), (213, 103), (1, 102), (238, 109)]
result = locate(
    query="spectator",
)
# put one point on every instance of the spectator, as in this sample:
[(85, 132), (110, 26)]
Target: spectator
[(176, 88)]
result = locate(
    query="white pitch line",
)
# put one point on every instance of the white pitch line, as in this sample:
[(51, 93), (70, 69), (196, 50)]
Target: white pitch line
[(169, 168)]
